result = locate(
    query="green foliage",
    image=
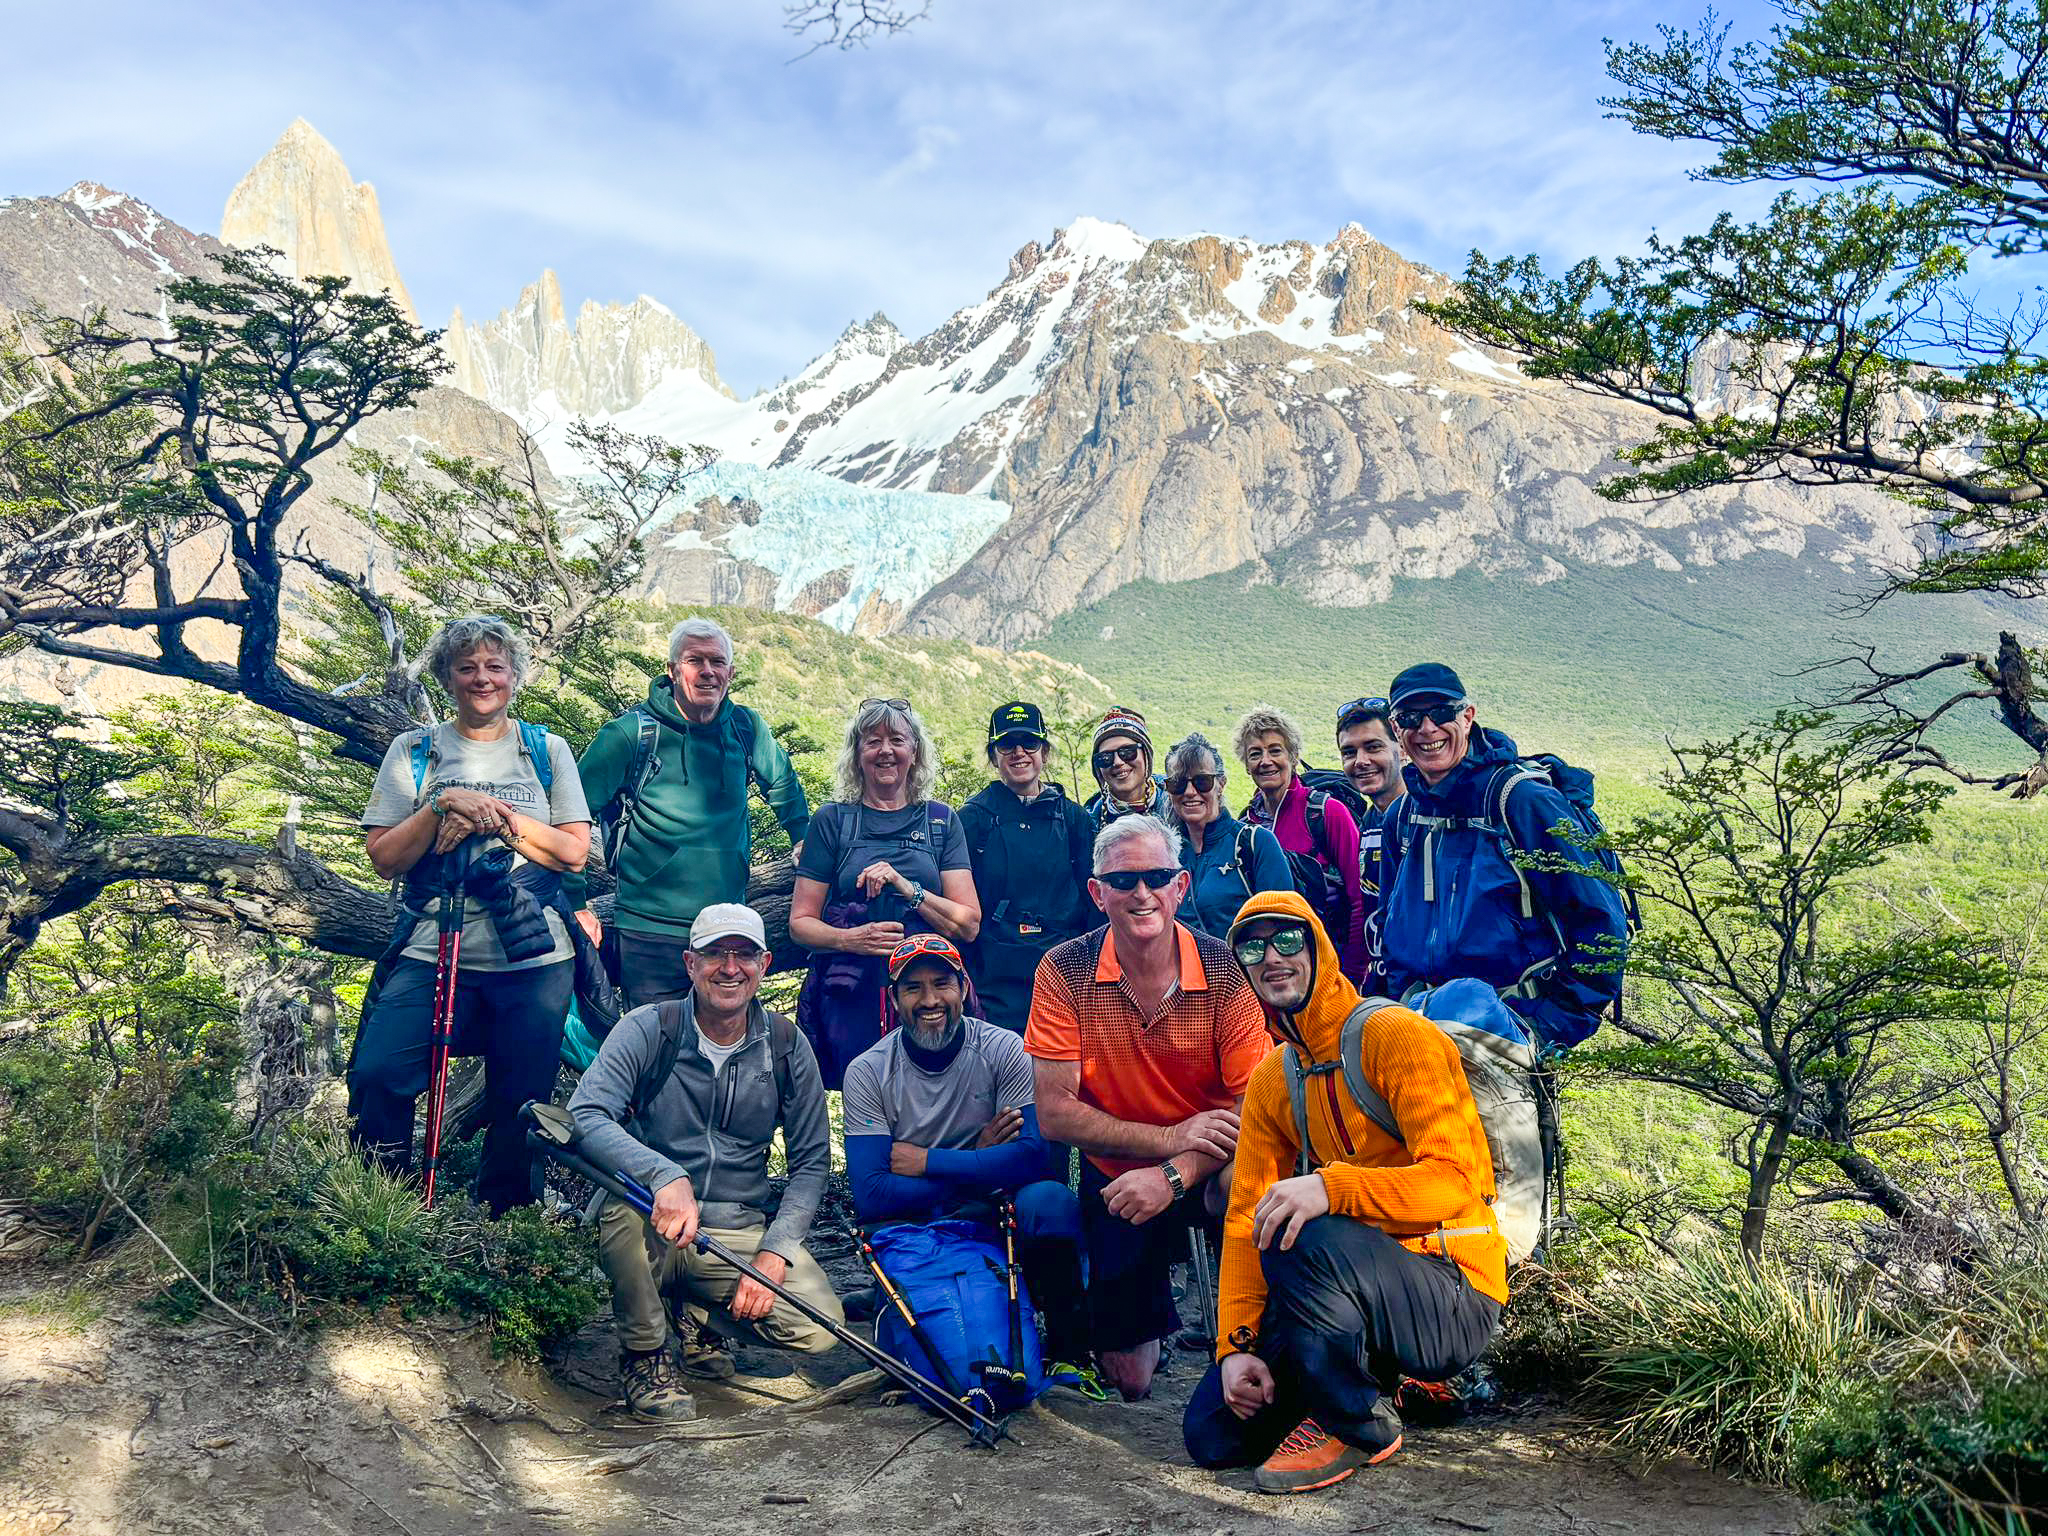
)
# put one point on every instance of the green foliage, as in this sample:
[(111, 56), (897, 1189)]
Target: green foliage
[(54, 769), (311, 1228)]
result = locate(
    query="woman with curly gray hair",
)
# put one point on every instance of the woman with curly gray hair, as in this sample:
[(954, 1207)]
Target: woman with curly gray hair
[(881, 860), (494, 803)]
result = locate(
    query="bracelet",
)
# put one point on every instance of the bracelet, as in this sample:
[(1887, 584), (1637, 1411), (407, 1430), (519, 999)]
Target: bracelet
[(434, 801), (1174, 1181), (917, 895)]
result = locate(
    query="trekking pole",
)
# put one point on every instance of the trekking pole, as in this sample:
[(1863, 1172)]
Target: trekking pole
[(447, 966), (918, 1333), (1204, 1279), (552, 1134), (1013, 1373)]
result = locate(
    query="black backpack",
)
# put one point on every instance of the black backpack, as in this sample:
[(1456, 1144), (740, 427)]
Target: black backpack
[(1318, 879), (1338, 787)]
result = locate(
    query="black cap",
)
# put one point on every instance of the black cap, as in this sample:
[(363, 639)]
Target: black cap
[(1426, 680), (1016, 718)]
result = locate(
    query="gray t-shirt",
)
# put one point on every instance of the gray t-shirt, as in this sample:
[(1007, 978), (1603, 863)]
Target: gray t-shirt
[(497, 768), (888, 1094)]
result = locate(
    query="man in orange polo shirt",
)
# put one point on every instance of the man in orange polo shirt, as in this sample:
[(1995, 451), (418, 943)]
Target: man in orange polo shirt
[(1144, 1034), (1358, 1258)]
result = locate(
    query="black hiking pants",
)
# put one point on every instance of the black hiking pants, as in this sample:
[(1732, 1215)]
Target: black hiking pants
[(1349, 1311)]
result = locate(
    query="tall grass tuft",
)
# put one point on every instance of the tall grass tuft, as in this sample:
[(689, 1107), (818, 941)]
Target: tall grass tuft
[(1706, 1357)]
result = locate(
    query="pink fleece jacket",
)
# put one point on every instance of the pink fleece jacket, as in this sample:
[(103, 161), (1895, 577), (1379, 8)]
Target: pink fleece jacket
[(1341, 833)]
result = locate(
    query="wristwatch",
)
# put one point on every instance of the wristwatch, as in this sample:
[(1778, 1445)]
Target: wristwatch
[(1174, 1181), (916, 896)]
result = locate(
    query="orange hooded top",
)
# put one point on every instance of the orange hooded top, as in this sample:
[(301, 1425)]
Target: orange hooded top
[(1442, 1178)]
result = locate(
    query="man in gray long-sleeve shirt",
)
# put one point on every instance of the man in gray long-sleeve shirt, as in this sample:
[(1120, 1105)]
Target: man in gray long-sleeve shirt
[(697, 1134)]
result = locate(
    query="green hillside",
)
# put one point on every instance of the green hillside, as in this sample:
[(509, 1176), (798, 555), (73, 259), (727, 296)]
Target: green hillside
[(1603, 663)]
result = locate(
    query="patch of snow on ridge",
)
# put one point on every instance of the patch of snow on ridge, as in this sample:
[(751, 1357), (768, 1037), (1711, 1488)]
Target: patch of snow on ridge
[(898, 544)]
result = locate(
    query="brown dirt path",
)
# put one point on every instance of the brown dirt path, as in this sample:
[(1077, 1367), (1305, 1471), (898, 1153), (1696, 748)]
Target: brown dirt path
[(116, 1423)]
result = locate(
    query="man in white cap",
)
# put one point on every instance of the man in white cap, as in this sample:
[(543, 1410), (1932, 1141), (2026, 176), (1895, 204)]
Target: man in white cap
[(685, 1097)]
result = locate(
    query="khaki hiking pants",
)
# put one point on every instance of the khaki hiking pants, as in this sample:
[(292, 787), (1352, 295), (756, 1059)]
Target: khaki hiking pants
[(642, 1269)]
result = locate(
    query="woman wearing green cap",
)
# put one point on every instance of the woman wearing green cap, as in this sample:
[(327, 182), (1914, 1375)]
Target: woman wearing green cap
[(1029, 847)]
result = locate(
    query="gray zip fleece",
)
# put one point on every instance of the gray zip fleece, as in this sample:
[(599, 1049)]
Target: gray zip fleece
[(715, 1130)]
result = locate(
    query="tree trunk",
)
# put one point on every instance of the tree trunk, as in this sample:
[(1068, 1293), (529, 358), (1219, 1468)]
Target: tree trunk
[(1957, 1243), (1763, 1182)]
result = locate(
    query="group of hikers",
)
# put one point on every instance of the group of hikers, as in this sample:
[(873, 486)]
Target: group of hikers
[(1273, 1035)]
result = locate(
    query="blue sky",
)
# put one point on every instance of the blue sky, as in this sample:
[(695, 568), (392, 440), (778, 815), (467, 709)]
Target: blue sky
[(674, 148)]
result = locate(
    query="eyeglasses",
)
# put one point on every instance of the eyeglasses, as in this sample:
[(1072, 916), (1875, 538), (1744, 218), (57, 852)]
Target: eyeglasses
[(1020, 742), (1127, 879), (1362, 709), (901, 706), (1127, 753), (1435, 714), (1288, 941), (1200, 783)]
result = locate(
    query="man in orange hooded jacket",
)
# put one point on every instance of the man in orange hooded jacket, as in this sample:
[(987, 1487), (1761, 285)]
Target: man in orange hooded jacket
[(1383, 1258)]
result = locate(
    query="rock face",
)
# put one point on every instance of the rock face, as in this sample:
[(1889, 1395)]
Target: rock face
[(531, 362), (90, 247), (300, 199)]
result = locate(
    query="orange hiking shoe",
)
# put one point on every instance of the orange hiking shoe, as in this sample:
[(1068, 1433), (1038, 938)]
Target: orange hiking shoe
[(1312, 1458)]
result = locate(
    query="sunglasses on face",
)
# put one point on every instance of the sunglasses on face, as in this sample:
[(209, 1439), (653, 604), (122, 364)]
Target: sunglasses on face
[(1362, 709), (1435, 714), (1127, 753), (1127, 879), (1019, 744), (1288, 941), (1200, 783)]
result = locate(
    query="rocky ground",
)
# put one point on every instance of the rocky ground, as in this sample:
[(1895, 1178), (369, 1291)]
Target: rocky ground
[(112, 1421)]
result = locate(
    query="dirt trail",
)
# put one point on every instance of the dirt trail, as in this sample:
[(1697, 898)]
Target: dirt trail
[(116, 1423)]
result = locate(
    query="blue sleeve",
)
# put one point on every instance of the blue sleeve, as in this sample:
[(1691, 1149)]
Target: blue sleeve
[(878, 1194), (1009, 1166), (1270, 869), (1589, 913)]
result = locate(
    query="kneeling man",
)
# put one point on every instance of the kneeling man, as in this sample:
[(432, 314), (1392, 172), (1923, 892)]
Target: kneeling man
[(685, 1097), (1356, 1258), (940, 1122)]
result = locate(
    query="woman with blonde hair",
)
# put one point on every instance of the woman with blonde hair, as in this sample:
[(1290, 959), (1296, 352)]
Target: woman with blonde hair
[(881, 860)]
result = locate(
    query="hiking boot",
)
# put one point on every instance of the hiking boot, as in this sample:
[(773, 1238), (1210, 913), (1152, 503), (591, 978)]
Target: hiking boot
[(653, 1390), (1083, 1378), (708, 1357), (1312, 1458)]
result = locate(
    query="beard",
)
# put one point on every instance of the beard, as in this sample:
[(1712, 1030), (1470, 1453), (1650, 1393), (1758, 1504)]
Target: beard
[(941, 1036)]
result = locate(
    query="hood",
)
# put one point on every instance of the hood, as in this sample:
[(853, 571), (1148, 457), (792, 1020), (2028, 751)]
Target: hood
[(661, 700), (1458, 793), (1317, 1028)]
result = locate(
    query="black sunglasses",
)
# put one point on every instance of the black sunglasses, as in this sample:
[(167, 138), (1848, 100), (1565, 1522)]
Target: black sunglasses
[(1288, 941), (1127, 879), (1019, 740), (1435, 714), (1127, 753), (1362, 709), (1201, 783)]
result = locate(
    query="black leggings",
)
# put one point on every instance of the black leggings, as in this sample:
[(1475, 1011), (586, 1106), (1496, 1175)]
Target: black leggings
[(1348, 1312)]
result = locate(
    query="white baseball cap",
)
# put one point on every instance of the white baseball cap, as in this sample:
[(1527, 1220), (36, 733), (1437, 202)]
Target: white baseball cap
[(727, 920)]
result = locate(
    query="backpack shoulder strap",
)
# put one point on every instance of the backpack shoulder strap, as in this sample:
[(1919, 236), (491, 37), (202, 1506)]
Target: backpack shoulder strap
[(781, 1046), (533, 741), (1312, 813), (1246, 834), (651, 1083), (1352, 1053), (1498, 788), (1297, 1098), (747, 724), (422, 755)]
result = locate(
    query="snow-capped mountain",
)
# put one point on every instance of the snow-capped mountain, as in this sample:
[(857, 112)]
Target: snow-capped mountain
[(91, 246)]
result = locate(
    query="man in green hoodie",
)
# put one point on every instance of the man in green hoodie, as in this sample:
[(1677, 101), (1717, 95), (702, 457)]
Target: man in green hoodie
[(672, 775)]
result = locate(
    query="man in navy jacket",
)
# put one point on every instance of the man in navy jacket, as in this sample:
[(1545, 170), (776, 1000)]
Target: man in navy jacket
[(1454, 904)]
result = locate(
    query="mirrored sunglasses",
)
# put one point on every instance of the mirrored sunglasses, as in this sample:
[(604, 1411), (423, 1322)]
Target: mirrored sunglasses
[(1127, 879), (1288, 941)]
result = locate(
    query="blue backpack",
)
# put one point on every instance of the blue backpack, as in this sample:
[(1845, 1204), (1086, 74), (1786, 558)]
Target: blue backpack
[(954, 1279)]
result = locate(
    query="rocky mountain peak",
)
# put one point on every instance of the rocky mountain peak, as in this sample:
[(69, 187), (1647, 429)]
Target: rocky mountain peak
[(300, 199), (532, 362)]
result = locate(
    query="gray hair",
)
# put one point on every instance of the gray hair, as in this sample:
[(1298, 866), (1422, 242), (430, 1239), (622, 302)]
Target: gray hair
[(1195, 753), (696, 629), (924, 766), (1129, 828), (458, 637), (1264, 720)]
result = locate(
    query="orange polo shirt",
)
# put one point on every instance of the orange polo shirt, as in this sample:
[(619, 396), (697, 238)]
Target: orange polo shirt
[(1197, 1052)]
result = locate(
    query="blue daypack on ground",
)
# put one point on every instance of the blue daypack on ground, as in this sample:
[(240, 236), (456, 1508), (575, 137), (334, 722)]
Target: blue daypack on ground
[(952, 1275)]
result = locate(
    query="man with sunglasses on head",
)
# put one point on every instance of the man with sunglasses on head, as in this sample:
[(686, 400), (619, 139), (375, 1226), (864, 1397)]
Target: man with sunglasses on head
[(1029, 846), (1121, 757), (1351, 1255), (1547, 933), (1144, 1034)]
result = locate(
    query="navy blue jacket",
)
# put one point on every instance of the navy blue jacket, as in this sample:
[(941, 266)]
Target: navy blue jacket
[(1220, 885), (1455, 909)]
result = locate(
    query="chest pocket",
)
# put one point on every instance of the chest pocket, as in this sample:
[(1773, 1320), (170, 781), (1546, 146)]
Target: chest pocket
[(748, 1103)]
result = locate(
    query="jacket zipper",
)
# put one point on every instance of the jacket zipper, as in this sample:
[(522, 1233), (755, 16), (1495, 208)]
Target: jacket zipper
[(1337, 1115)]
